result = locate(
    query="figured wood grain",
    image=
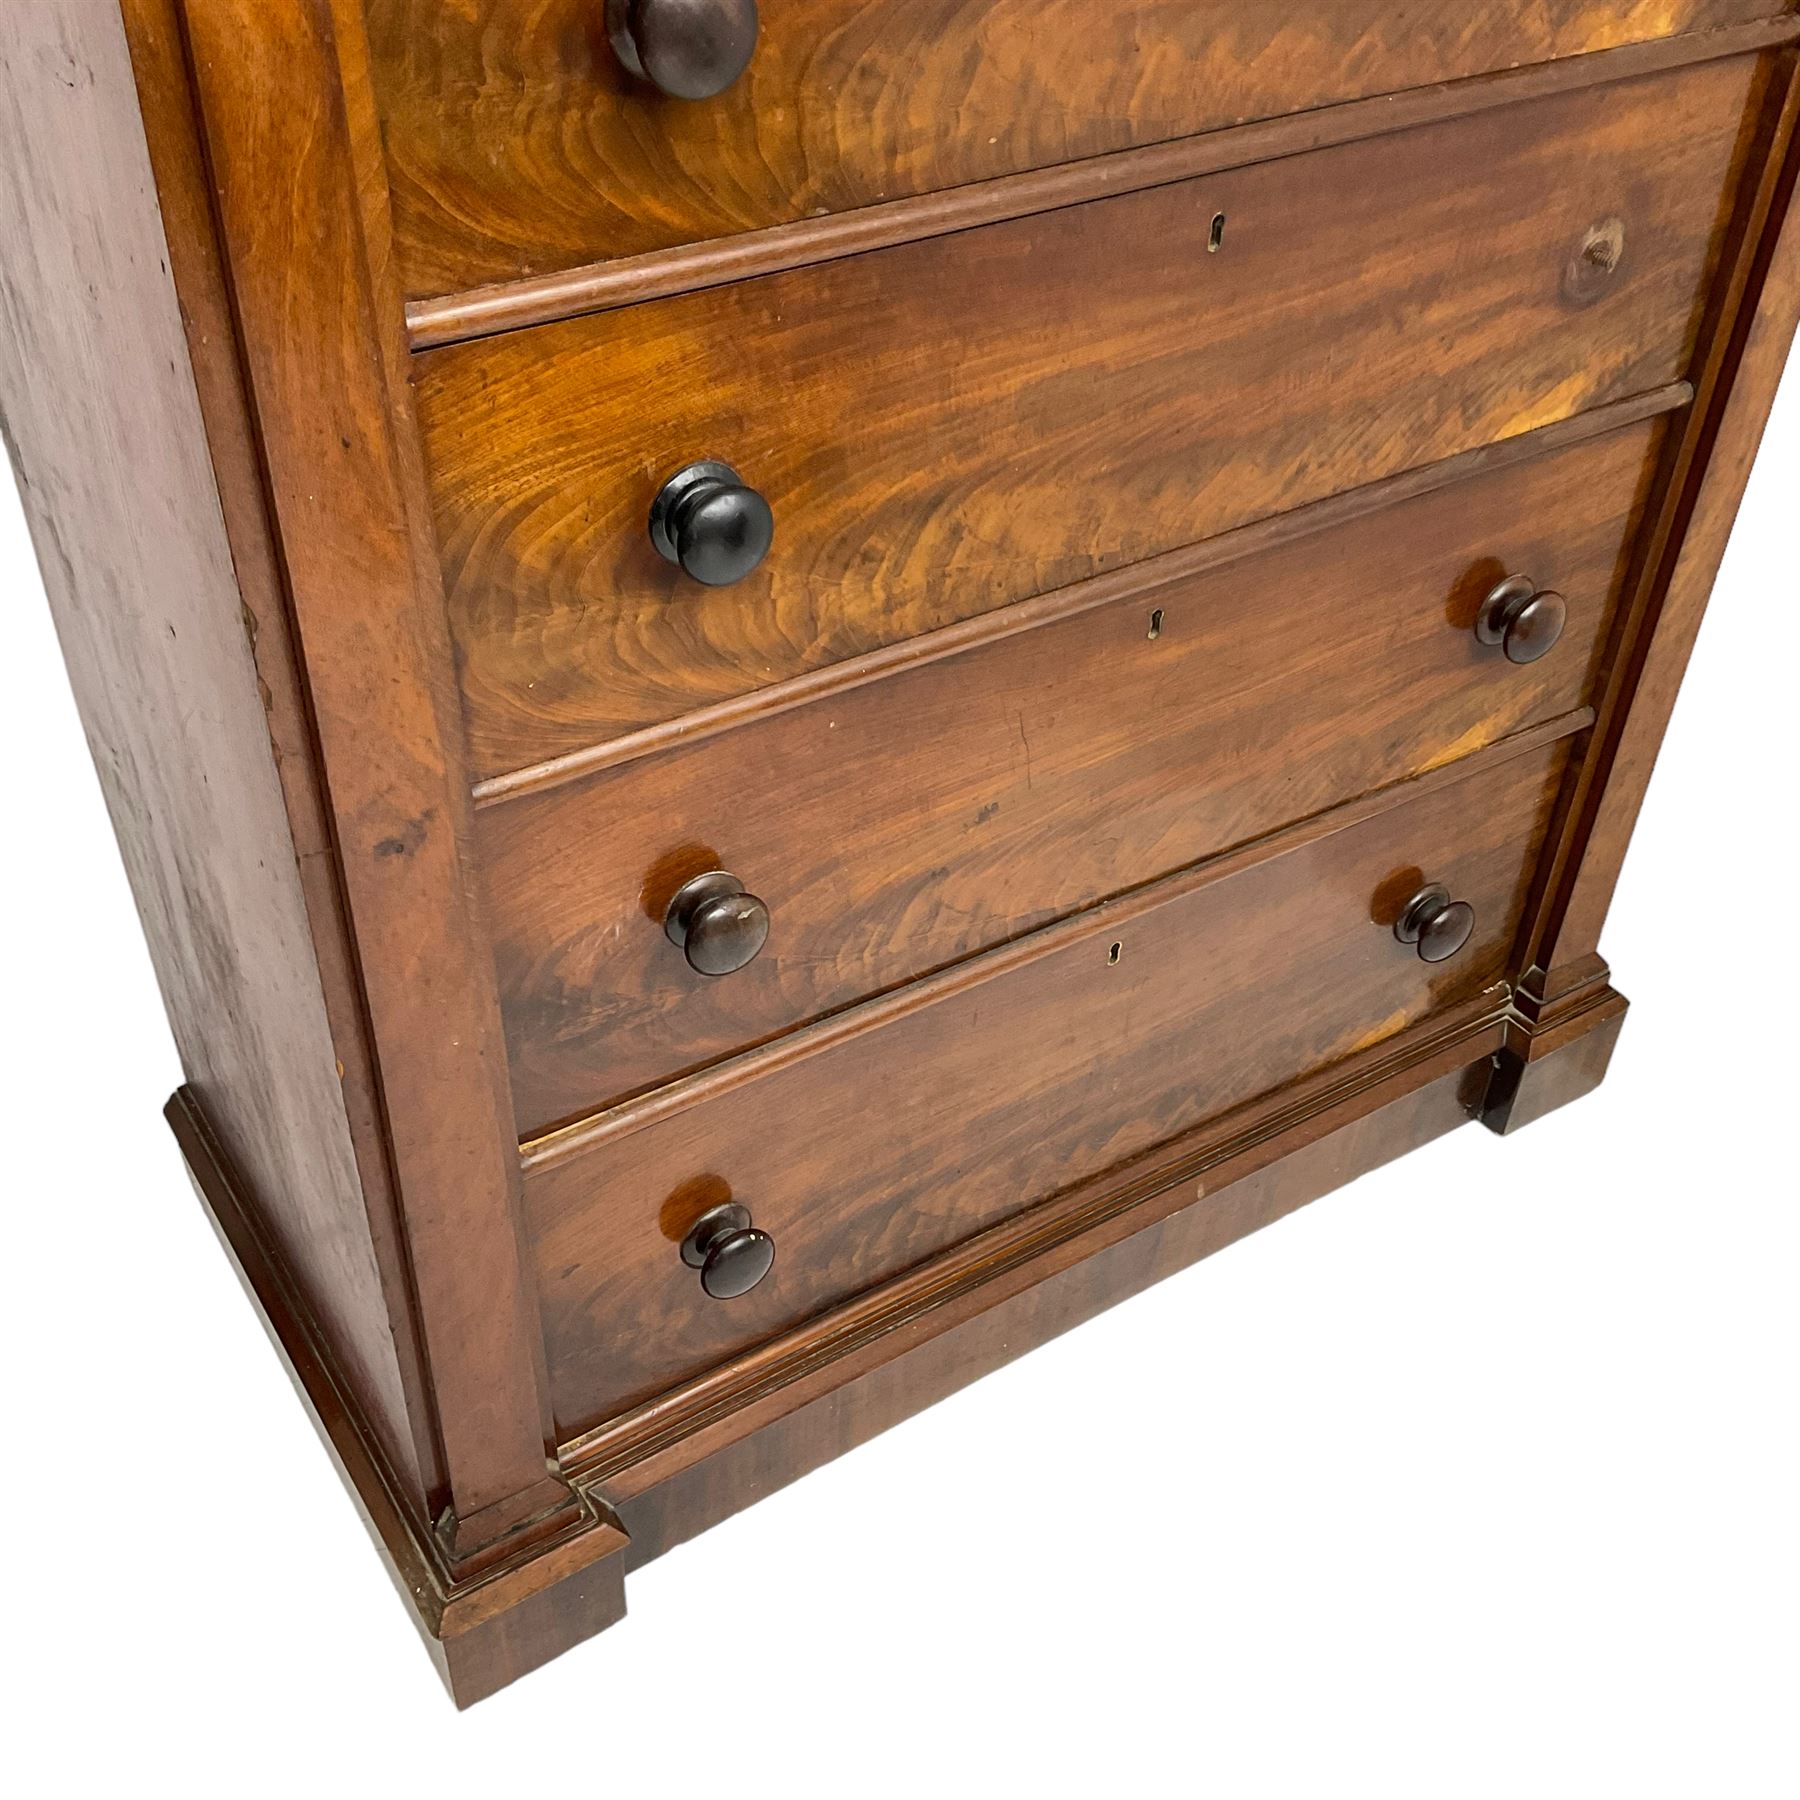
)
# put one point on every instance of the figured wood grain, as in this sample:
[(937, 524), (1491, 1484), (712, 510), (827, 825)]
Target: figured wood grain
[(1110, 918), (951, 426), (244, 575), (654, 274), (913, 821), (913, 1136), (1143, 581), (518, 144)]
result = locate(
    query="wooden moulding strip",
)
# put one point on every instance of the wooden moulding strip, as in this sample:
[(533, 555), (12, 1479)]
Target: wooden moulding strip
[(1112, 915), (625, 281), (1139, 581), (1038, 1241)]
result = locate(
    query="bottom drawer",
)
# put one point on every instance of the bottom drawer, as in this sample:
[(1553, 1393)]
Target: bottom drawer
[(887, 1135)]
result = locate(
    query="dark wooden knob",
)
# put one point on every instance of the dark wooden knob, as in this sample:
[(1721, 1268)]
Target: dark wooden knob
[(1434, 924), (1526, 624), (706, 520), (730, 1253), (690, 49), (717, 924)]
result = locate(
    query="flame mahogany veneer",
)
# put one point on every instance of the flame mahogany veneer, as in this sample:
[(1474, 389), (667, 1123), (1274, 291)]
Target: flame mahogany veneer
[(793, 697)]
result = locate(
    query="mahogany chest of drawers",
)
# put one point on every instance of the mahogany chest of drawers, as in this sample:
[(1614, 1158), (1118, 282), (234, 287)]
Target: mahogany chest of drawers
[(793, 698)]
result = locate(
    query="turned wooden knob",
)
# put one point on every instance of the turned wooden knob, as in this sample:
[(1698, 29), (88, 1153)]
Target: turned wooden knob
[(689, 49), (1434, 924), (708, 522), (730, 1253), (716, 923), (1526, 624)]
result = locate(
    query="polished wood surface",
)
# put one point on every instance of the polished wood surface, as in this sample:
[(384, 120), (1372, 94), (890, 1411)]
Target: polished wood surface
[(1140, 581), (1110, 389), (626, 280), (1169, 650), (960, 1112), (519, 142), (907, 823)]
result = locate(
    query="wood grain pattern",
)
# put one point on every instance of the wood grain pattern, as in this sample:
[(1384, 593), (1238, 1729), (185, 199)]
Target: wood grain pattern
[(1109, 390), (917, 820), (1142, 581), (519, 145), (908, 1138), (484, 1634), (656, 274), (1033, 1037), (1124, 910)]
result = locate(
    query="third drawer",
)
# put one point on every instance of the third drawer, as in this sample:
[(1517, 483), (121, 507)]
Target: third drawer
[(901, 826)]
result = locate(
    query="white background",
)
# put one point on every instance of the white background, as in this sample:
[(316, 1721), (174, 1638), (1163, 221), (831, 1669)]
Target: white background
[(1479, 1477)]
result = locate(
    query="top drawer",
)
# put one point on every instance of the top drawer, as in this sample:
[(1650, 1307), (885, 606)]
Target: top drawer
[(520, 145)]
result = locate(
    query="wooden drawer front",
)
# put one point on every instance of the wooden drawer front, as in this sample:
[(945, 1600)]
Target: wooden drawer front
[(953, 425), (519, 145), (905, 824), (888, 1145)]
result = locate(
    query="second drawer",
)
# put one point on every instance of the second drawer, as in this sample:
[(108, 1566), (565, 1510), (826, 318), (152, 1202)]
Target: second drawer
[(937, 430), (903, 825)]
